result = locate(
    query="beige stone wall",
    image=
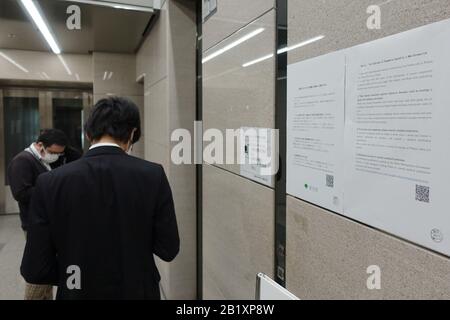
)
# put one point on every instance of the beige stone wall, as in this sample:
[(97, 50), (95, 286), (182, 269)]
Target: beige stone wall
[(238, 234), (167, 62), (327, 254), (31, 65), (122, 68), (2, 157), (232, 15), (238, 214)]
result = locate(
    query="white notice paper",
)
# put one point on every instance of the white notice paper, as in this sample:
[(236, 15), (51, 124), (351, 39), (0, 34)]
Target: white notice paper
[(397, 135), (257, 155), (315, 130)]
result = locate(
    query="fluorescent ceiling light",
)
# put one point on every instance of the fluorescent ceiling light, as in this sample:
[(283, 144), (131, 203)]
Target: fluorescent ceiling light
[(245, 65), (110, 75), (4, 56), (69, 72), (233, 44), (116, 5), (283, 50), (140, 78), (301, 44), (46, 76), (40, 23), (105, 75)]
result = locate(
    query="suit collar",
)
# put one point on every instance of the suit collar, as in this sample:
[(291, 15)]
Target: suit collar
[(105, 150)]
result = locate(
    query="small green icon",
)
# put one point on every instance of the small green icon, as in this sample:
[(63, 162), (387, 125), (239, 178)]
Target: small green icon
[(306, 186)]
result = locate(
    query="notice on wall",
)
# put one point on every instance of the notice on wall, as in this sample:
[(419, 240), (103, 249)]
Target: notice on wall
[(397, 135), (315, 126), (259, 161), (209, 8)]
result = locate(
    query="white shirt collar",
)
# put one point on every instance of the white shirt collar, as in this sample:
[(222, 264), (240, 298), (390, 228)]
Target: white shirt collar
[(104, 144), (32, 149), (35, 152)]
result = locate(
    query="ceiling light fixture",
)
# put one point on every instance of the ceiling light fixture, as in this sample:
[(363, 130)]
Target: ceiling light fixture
[(33, 11), (115, 5), (45, 75), (283, 50), (233, 44), (248, 64), (69, 72), (301, 44), (4, 56)]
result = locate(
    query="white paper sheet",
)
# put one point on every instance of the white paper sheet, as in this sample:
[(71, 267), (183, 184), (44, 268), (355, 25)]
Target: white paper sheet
[(397, 135), (257, 155), (315, 126)]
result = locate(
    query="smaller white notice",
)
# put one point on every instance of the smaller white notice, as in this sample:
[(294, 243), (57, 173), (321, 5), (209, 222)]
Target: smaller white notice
[(258, 159), (315, 130)]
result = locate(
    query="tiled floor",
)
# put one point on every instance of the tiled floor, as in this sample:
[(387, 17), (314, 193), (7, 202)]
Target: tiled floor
[(12, 242)]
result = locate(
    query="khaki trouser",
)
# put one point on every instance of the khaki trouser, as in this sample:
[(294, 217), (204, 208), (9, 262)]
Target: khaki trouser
[(38, 291)]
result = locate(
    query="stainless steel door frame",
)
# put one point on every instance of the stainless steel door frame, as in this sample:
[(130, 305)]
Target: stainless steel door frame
[(7, 203), (2, 157), (45, 96)]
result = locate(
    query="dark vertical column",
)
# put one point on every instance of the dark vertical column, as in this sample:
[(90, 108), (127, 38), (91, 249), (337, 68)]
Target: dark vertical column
[(199, 168), (2, 157), (280, 124)]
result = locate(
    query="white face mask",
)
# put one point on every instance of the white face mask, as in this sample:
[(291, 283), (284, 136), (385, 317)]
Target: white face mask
[(50, 157)]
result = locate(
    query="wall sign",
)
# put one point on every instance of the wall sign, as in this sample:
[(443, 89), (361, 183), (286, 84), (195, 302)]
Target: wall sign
[(209, 9), (395, 140)]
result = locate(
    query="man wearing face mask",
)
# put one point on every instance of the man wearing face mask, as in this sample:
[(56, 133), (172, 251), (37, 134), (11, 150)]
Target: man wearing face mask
[(97, 222), (23, 172)]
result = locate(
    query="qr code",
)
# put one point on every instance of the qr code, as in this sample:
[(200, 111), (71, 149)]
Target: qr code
[(330, 181), (422, 193)]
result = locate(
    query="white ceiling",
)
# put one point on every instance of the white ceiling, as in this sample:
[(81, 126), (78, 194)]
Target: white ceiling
[(102, 28)]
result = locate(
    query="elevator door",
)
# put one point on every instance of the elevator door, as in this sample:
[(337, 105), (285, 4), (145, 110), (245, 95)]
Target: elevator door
[(68, 117), (21, 121)]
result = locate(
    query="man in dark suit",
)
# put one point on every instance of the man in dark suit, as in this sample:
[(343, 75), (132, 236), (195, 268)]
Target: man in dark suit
[(96, 222), (70, 154), (22, 173), (26, 166)]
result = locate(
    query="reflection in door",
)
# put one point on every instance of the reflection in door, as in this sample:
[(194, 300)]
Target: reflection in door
[(67, 116), (21, 120)]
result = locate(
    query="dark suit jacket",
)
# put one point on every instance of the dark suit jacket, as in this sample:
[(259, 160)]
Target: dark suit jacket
[(22, 174), (71, 154), (106, 214)]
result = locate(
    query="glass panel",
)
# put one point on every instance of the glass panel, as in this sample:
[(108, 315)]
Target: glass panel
[(67, 116), (21, 124)]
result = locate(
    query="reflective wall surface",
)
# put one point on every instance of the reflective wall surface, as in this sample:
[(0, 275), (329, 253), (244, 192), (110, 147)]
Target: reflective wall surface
[(238, 91), (327, 255)]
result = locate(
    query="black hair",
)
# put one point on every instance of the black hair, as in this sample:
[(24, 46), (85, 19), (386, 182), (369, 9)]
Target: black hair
[(49, 137), (116, 117)]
